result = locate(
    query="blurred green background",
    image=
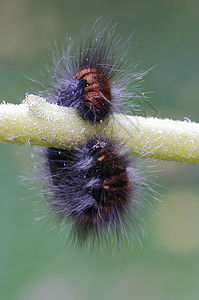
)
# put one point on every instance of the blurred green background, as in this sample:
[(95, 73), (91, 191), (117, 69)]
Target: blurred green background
[(39, 264)]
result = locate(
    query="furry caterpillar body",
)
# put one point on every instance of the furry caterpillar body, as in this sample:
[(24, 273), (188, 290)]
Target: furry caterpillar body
[(84, 79), (95, 78), (94, 188)]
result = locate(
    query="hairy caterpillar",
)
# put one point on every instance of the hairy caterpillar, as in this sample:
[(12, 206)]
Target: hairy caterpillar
[(96, 187)]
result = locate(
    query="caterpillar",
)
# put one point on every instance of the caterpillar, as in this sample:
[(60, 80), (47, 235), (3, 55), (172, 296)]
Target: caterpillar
[(94, 187)]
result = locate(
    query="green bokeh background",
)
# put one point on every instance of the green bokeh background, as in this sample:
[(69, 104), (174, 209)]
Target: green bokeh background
[(38, 264)]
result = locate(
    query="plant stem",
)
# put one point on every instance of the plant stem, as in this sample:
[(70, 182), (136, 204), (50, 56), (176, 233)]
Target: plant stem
[(37, 122)]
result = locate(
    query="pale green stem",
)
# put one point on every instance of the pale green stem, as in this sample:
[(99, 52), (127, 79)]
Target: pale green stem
[(37, 122)]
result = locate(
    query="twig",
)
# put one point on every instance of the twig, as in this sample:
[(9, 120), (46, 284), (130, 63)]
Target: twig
[(37, 122)]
